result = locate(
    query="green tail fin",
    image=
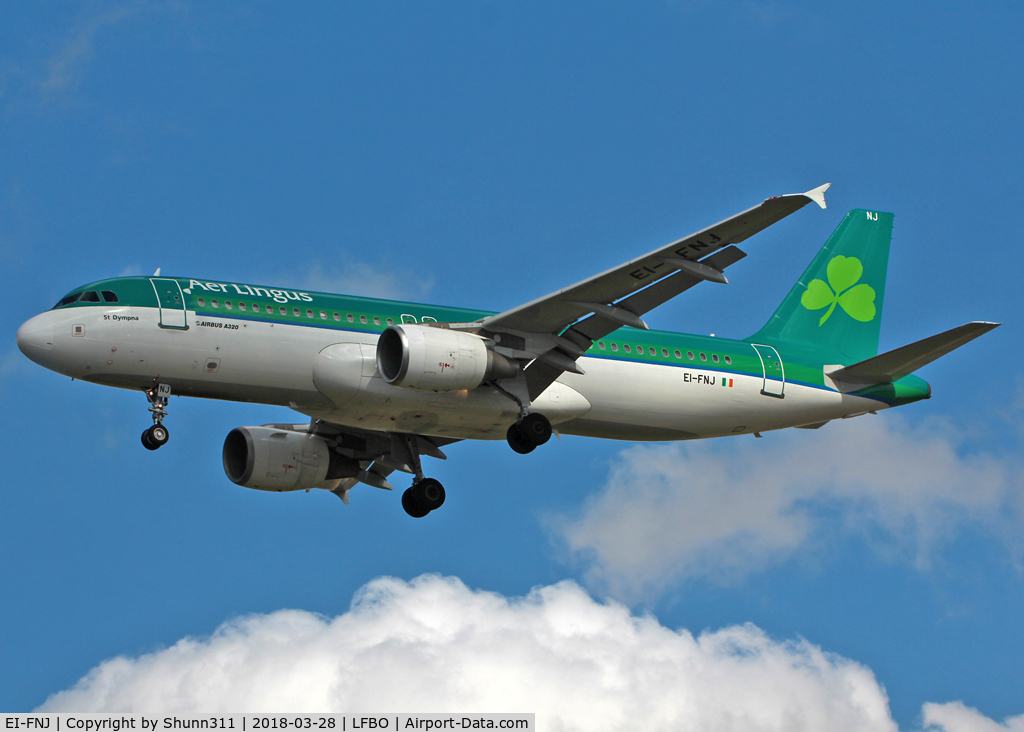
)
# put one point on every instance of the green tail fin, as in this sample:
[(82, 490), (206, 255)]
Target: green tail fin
[(836, 306)]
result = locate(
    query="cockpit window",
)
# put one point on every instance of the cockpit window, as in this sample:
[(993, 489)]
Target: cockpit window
[(87, 296)]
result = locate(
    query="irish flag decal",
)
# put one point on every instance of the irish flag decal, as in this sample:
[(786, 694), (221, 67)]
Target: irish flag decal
[(726, 382)]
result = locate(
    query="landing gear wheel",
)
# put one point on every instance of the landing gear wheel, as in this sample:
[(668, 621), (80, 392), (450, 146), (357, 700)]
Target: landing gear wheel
[(429, 494), (412, 505), (146, 442), (535, 428), (517, 441), (155, 437), (159, 435)]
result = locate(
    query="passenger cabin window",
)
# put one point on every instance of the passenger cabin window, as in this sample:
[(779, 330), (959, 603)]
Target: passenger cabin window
[(309, 313), (689, 355), (678, 354), (202, 302), (664, 352), (215, 303), (337, 316), (227, 304), (390, 321), (600, 344), (109, 296), (376, 320), (296, 312), (640, 350), (626, 348), (703, 357), (350, 318), (615, 346), (323, 315), (714, 357), (241, 306), (728, 359), (90, 296), (362, 319)]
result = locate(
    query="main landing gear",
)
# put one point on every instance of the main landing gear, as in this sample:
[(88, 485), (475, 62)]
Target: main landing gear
[(426, 494), (528, 433), (157, 435)]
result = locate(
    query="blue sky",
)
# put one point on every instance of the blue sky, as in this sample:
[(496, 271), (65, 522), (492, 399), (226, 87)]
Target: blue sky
[(481, 155)]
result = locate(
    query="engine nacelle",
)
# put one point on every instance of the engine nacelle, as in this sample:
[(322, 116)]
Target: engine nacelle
[(438, 359), (271, 459)]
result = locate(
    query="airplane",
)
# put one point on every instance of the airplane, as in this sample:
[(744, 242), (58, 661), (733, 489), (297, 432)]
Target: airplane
[(386, 382)]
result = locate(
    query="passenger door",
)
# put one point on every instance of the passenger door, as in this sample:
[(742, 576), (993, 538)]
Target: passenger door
[(774, 373), (172, 303)]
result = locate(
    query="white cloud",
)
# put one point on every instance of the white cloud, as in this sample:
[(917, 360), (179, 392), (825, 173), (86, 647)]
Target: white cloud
[(725, 508), (956, 717), (359, 278), (433, 644)]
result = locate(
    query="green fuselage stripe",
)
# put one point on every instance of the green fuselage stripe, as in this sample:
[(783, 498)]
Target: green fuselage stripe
[(801, 367)]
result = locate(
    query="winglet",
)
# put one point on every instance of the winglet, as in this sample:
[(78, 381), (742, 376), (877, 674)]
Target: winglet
[(157, 273), (818, 195)]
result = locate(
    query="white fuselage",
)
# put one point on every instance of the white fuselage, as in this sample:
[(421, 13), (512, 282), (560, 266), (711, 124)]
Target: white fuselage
[(330, 374)]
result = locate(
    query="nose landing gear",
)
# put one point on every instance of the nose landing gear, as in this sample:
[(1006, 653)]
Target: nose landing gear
[(157, 435)]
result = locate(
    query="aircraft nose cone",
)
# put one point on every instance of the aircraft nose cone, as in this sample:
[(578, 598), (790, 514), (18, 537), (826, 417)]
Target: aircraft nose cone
[(35, 337)]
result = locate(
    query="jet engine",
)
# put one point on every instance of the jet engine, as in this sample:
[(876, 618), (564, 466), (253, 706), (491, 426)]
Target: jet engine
[(271, 459), (438, 359)]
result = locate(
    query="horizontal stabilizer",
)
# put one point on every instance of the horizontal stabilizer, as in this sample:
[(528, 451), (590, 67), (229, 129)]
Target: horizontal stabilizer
[(894, 365)]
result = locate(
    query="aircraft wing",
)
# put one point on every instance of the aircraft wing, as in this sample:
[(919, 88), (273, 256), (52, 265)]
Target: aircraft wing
[(379, 453), (559, 328), (552, 313)]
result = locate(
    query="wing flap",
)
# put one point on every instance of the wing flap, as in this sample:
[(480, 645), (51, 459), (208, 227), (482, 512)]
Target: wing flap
[(374, 450), (658, 293), (582, 335), (894, 365)]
